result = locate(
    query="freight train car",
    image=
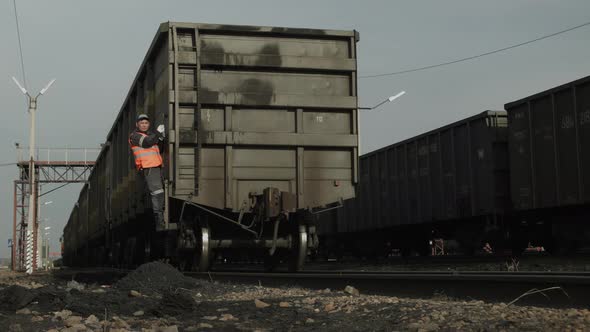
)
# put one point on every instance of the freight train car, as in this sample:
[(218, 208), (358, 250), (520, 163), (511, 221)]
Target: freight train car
[(449, 183), (549, 138), (262, 135)]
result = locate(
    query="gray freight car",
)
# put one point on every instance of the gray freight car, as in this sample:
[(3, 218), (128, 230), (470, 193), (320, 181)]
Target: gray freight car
[(262, 131), (549, 141), (451, 182)]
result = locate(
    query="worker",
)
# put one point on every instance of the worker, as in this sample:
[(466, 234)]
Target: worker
[(148, 161)]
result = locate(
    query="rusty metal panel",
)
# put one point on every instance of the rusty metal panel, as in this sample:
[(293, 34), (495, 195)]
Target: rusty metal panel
[(548, 133)]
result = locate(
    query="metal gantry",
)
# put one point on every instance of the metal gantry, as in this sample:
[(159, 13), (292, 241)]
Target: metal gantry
[(51, 165)]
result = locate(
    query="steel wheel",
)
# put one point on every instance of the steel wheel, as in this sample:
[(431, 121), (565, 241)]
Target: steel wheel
[(299, 250), (203, 252), (147, 248)]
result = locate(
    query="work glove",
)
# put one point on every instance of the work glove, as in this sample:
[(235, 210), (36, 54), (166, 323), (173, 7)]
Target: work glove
[(161, 130)]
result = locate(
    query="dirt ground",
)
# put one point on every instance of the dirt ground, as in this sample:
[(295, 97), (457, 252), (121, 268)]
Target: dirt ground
[(156, 297)]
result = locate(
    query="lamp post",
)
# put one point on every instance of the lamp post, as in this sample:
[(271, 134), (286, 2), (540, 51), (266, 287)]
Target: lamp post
[(45, 244), (31, 221), (39, 237), (388, 100)]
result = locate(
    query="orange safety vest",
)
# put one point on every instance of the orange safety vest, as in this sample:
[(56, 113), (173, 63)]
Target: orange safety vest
[(146, 157)]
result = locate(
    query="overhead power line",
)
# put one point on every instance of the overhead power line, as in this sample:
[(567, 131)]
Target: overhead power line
[(20, 45), (476, 56)]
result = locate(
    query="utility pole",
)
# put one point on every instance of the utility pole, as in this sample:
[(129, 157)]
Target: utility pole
[(32, 227)]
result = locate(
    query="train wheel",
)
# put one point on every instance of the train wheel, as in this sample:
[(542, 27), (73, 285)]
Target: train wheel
[(147, 248), (299, 250), (203, 251)]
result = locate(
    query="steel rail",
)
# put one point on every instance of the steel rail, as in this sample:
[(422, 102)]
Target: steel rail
[(568, 289)]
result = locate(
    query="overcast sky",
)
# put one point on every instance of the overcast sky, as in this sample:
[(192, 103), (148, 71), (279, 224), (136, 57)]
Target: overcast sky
[(94, 49)]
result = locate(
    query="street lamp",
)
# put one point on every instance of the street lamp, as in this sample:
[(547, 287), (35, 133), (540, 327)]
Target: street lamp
[(388, 100), (31, 222)]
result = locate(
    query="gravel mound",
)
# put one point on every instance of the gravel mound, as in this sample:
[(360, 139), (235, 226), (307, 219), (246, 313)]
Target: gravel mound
[(175, 304), (156, 277)]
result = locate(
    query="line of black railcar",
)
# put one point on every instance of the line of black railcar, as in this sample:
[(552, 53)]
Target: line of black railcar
[(502, 180)]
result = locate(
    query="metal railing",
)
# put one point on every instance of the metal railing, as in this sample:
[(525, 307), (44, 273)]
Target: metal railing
[(62, 155)]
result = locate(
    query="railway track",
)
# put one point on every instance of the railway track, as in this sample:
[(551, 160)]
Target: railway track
[(573, 291), (568, 289)]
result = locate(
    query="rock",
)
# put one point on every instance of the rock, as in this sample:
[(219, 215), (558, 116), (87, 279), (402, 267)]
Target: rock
[(99, 290), (172, 328), (205, 326), (316, 310), (73, 320), (63, 315), (15, 328), (79, 327), (227, 317), (260, 304), (138, 313), (352, 291), (23, 311), (210, 317), (15, 297), (36, 285), (329, 307), (35, 319), (91, 320), (222, 309), (73, 284), (134, 293), (326, 291), (119, 323), (309, 300), (52, 330), (284, 305), (309, 321)]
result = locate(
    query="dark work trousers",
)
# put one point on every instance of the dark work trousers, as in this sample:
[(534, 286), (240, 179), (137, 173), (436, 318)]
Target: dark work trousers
[(153, 180)]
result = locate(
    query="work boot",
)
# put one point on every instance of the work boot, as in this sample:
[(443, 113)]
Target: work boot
[(160, 224)]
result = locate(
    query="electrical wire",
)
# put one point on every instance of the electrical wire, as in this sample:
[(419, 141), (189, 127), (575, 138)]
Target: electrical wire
[(20, 46), (476, 56), (7, 164), (54, 189)]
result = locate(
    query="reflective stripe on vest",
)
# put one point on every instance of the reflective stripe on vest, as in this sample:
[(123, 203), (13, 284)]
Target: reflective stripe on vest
[(146, 157)]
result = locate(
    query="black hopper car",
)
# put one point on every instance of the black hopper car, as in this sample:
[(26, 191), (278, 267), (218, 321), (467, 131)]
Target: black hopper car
[(496, 182), (262, 136)]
